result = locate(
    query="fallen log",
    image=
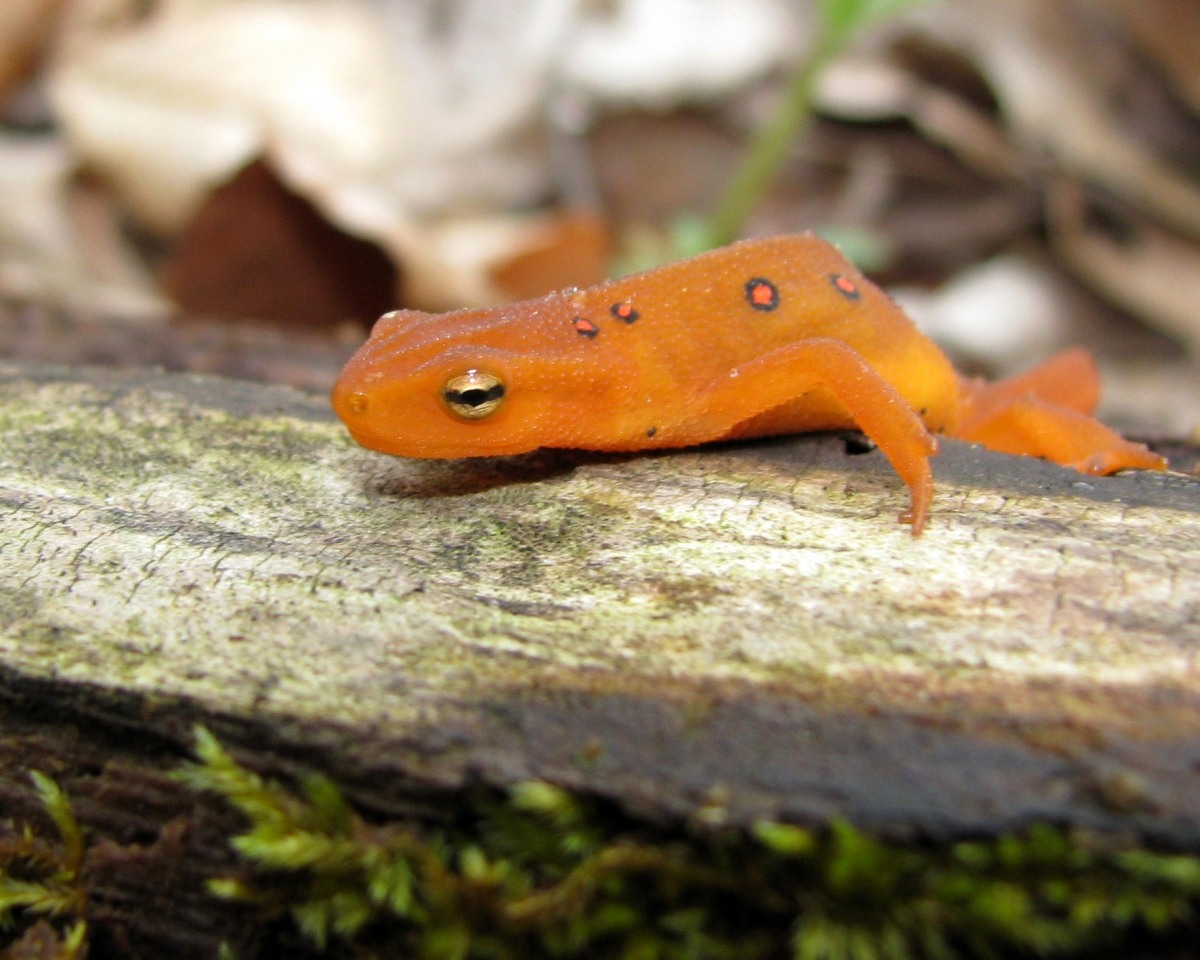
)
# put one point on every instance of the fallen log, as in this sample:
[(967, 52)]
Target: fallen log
[(722, 635)]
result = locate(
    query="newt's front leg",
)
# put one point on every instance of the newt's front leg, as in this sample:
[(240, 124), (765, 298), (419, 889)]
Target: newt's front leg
[(1044, 413), (874, 404)]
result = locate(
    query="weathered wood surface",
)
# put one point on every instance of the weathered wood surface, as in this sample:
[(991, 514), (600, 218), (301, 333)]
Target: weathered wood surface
[(729, 633)]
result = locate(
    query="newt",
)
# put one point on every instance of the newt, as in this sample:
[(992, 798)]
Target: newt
[(771, 336)]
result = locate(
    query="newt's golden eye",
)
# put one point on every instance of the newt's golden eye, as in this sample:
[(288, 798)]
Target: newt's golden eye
[(474, 395)]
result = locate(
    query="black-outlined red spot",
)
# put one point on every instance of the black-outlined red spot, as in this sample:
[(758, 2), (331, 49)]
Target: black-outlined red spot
[(624, 312), (762, 294), (585, 327), (845, 286)]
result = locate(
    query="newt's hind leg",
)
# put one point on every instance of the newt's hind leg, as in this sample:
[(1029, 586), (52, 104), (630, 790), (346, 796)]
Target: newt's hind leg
[(873, 404), (1068, 379), (1035, 428), (1044, 413)]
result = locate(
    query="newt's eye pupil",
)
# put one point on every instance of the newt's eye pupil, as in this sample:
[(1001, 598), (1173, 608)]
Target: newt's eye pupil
[(473, 395)]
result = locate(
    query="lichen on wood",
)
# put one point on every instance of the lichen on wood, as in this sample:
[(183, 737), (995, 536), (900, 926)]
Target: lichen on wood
[(739, 632)]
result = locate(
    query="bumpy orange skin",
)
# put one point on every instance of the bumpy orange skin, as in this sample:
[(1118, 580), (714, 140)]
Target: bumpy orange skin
[(781, 335)]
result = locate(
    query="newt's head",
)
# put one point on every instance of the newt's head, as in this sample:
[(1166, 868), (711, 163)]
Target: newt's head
[(465, 384)]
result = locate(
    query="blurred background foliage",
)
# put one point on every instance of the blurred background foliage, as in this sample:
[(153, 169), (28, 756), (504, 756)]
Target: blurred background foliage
[(241, 186)]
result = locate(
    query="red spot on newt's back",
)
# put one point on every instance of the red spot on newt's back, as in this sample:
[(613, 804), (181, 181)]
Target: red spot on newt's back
[(762, 294), (848, 287), (624, 311)]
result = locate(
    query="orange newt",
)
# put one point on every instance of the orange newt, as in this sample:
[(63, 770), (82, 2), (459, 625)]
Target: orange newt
[(780, 335)]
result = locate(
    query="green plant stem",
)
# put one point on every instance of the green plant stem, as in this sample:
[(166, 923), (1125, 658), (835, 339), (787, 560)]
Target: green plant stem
[(770, 147)]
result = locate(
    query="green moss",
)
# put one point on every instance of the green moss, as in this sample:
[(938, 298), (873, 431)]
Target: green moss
[(40, 881), (542, 873)]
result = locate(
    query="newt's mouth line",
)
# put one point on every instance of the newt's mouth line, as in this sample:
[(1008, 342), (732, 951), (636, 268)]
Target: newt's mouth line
[(397, 447)]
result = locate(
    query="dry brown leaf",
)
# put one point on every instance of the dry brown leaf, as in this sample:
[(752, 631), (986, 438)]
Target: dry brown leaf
[(865, 88), (1168, 32), (259, 252), (1054, 88), (25, 29), (1150, 272)]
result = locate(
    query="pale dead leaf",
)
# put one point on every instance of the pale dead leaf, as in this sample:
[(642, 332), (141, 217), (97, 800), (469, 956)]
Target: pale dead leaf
[(466, 261), (374, 111), (59, 241), (1006, 314), (659, 53)]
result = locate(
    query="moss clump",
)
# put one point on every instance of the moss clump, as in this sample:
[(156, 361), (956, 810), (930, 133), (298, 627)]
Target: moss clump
[(39, 882), (541, 873)]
